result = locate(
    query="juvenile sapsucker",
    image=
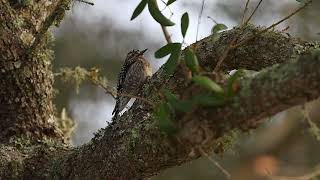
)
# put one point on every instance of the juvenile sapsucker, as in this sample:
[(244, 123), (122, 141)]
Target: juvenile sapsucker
[(133, 74)]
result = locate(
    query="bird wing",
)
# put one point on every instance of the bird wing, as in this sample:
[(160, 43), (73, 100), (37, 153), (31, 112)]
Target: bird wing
[(121, 80), (130, 85)]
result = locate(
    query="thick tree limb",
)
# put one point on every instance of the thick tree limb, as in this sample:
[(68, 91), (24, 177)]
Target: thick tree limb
[(133, 147)]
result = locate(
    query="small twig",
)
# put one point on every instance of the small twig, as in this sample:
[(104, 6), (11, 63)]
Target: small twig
[(314, 129), (209, 17), (86, 2), (224, 55), (166, 6), (232, 44), (222, 169), (164, 28), (137, 97), (164, 2), (273, 25), (253, 13), (285, 29), (108, 91), (199, 19), (166, 34), (245, 11)]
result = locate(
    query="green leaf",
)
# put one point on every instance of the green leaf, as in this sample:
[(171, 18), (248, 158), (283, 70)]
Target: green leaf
[(170, 2), (191, 60), (139, 9), (162, 115), (208, 84), (184, 24), (172, 99), (173, 49), (183, 106), (157, 15), (301, 1), (173, 60), (215, 30), (218, 27), (209, 99), (230, 92), (166, 50)]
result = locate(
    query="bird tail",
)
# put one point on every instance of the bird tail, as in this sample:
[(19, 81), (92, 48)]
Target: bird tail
[(115, 111), (120, 105)]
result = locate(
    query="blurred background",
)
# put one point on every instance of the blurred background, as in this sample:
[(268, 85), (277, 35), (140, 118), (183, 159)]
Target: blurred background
[(101, 36)]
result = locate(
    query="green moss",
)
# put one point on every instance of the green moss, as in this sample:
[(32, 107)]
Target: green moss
[(18, 22), (225, 143), (132, 140), (135, 133), (16, 167)]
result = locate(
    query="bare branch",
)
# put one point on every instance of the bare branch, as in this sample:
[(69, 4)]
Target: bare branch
[(273, 25), (245, 11), (232, 44), (199, 18), (253, 13), (86, 2)]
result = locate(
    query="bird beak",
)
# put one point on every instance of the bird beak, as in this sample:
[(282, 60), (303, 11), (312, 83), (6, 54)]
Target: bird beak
[(142, 52)]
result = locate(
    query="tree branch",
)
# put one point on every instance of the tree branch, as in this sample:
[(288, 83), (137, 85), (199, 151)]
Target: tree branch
[(134, 147)]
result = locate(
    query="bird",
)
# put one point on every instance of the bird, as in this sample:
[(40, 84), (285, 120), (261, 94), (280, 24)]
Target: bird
[(134, 72)]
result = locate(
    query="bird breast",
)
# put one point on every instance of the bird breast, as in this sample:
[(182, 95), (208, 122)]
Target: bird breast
[(146, 66)]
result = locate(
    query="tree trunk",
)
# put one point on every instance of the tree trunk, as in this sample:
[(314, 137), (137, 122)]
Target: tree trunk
[(26, 108)]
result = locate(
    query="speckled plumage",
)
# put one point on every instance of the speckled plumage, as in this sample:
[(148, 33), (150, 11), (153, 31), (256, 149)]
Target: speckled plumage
[(133, 74)]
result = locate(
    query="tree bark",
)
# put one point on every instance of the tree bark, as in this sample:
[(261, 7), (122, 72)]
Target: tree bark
[(25, 68), (133, 146)]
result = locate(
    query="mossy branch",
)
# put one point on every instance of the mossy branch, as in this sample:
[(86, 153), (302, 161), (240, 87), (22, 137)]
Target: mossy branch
[(133, 146)]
